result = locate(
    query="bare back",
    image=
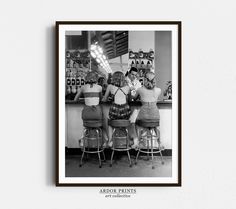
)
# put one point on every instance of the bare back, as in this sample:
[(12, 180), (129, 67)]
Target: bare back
[(149, 95), (120, 94)]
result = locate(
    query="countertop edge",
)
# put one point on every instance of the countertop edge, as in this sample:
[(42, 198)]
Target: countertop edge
[(165, 102)]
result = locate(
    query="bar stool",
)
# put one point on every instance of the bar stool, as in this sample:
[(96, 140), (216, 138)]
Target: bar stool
[(92, 142), (146, 141), (120, 143)]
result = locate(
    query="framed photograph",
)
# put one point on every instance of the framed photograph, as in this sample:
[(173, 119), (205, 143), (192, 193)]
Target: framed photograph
[(118, 103)]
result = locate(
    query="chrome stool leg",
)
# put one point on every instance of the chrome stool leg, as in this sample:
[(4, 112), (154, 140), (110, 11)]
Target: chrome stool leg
[(102, 148), (159, 147), (113, 145), (81, 160), (104, 158), (84, 136), (98, 147), (130, 164), (139, 140), (112, 154), (151, 148), (99, 158), (127, 147), (148, 143), (159, 144), (136, 159)]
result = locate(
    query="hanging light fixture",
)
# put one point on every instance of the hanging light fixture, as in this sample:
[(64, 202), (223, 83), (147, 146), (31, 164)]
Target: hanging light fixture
[(97, 53), (93, 54)]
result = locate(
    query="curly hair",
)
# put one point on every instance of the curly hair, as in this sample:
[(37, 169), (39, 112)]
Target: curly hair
[(91, 78), (118, 79), (149, 80)]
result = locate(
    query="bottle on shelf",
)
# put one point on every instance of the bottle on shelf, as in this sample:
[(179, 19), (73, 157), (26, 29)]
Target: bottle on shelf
[(149, 64), (73, 90), (82, 82), (133, 64), (80, 64), (78, 82), (68, 89), (67, 63), (67, 54), (74, 64), (138, 64), (68, 77), (142, 64)]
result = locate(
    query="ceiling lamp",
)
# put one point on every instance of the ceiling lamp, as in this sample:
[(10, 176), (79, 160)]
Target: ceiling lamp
[(97, 53), (93, 54)]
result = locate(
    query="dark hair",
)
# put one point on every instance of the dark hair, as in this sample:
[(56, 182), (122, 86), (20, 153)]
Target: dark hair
[(133, 69), (149, 80), (101, 81), (109, 78), (91, 78), (118, 79)]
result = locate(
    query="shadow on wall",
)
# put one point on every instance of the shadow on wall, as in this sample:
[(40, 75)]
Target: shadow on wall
[(50, 124)]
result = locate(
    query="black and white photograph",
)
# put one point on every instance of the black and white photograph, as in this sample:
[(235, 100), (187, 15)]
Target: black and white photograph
[(118, 103)]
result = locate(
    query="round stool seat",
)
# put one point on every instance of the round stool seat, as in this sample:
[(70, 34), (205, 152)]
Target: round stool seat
[(148, 123), (92, 123), (119, 123)]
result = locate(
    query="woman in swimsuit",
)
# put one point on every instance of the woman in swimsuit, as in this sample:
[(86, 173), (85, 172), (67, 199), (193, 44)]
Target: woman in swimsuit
[(149, 95), (120, 92), (92, 94)]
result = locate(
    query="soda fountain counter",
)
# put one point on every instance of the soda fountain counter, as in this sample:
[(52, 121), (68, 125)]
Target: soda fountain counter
[(74, 123)]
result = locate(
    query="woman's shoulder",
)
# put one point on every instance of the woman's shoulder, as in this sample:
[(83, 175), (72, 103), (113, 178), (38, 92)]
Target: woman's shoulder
[(142, 89), (98, 87), (126, 87), (110, 86), (157, 89)]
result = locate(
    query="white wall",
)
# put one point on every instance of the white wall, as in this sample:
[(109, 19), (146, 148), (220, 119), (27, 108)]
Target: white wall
[(27, 135), (119, 63), (144, 40), (163, 59)]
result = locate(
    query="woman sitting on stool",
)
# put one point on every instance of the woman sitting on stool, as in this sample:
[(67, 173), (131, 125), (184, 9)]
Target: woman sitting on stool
[(92, 94), (149, 94), (119, 110)]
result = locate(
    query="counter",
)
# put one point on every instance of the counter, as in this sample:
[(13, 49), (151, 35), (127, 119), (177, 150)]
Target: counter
[(74, 123), (133, 103)]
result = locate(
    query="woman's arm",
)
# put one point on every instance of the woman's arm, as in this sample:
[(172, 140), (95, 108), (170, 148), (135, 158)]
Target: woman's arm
[(136, 94), (158, 92), (100, 93), (129, 94), (80, 91), (107, 93)]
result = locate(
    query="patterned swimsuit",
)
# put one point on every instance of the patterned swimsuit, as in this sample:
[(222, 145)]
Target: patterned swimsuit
[(119, 111)]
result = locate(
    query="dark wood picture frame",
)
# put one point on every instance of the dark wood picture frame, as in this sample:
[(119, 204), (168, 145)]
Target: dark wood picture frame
[(61, 179)]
